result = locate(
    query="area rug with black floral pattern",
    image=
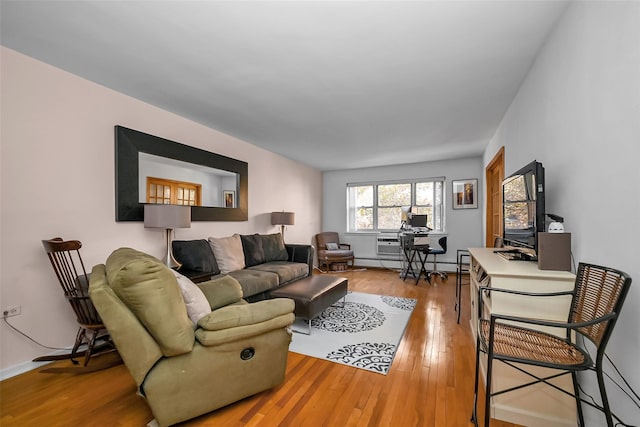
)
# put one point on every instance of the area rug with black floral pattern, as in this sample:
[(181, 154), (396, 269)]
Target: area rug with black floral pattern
[(365, 333)]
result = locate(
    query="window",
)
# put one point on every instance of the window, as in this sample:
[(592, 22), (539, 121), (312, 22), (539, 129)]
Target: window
[(165, 191), (378, 206)]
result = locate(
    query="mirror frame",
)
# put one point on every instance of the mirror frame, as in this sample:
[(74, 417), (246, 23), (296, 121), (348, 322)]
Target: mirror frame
[(129, 142)]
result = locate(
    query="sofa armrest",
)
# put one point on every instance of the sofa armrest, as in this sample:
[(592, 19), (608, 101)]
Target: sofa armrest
[(301, 253)]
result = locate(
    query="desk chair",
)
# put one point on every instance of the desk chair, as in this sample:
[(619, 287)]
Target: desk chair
[(435, 252), (597, 299), (463, 265)]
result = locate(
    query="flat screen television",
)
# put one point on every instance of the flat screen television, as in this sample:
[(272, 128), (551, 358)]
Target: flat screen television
[(523, 208)]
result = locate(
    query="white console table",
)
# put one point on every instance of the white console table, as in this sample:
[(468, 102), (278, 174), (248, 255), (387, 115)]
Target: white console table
[(538, 405)]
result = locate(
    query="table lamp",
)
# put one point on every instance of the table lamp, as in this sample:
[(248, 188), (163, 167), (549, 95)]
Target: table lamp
[(283, 218), (167, 217)]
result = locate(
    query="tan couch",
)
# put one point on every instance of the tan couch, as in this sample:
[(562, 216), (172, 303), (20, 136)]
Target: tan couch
[(182, 369)]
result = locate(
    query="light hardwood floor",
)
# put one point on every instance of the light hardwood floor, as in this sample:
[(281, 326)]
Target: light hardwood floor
[(429, 384)]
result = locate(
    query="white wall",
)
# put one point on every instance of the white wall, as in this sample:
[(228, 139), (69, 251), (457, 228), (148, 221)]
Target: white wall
[(578, 112), (463, 227), (57, 179)]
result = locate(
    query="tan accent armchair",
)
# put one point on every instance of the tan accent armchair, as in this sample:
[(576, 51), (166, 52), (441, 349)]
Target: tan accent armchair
[(330, 250), (181, 369)]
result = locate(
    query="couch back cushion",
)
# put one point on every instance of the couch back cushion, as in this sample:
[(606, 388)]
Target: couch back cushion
[(228, 253), (150, 290), (195, 255), (273, 247), (253, 251)]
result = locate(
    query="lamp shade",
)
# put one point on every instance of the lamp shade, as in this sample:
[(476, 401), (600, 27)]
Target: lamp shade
[(283, 218), (167, 216)]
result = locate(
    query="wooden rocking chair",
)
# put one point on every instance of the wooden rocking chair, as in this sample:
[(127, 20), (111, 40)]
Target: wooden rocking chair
[(69, 268)]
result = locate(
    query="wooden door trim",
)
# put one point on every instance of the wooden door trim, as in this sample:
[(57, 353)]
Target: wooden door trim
[(495, 165)]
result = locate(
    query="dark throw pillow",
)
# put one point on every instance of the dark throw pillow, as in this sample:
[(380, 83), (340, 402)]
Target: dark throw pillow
[(195, 255), (273, 247), (253, 251)]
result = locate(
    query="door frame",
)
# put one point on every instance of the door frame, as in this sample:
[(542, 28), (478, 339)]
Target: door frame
[(493, 169)]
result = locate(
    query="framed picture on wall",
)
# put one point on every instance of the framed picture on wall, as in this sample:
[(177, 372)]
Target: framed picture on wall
[(465, 193), (229, 198)]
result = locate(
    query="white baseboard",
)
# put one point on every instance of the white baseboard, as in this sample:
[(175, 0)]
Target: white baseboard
[(21, 368)]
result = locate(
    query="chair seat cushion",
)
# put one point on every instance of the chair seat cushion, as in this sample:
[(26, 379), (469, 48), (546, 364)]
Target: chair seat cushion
[(523, 344), (339, 253)]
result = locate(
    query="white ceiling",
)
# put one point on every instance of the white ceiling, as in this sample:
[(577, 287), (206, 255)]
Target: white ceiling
[(335, 85)]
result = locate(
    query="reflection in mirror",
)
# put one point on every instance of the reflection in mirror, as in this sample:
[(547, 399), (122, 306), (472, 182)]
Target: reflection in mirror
[(170, 181), (147, 168)]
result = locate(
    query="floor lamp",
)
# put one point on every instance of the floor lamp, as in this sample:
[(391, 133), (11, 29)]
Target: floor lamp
[(167, 217), (282, 218)]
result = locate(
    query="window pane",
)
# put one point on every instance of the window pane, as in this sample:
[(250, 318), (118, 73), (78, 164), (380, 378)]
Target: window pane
[(394, 195), (389, 218), (364, 219), (424, 193), (439, 207), (364, 196)]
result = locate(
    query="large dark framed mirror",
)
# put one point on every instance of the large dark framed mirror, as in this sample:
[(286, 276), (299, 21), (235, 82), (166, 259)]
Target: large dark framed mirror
[(221, 182)]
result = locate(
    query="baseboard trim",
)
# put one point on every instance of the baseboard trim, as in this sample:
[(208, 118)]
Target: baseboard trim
[(21, 368)]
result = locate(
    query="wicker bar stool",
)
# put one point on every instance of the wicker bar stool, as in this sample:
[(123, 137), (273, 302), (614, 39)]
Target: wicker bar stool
[(597, 299)]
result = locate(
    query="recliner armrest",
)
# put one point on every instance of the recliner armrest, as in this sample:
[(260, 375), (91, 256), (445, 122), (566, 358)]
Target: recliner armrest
[(221, 291), (301, 253), (242, 321)]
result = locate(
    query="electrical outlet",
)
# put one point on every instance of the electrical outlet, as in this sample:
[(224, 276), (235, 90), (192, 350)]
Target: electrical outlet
[(14, 310)]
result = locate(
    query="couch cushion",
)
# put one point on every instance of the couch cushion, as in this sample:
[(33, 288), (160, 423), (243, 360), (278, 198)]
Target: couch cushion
[(286, 271), (150, 290), (254, 281), (252, 248), (273, 246), (194, 299), (195, 255), (228, 253)]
